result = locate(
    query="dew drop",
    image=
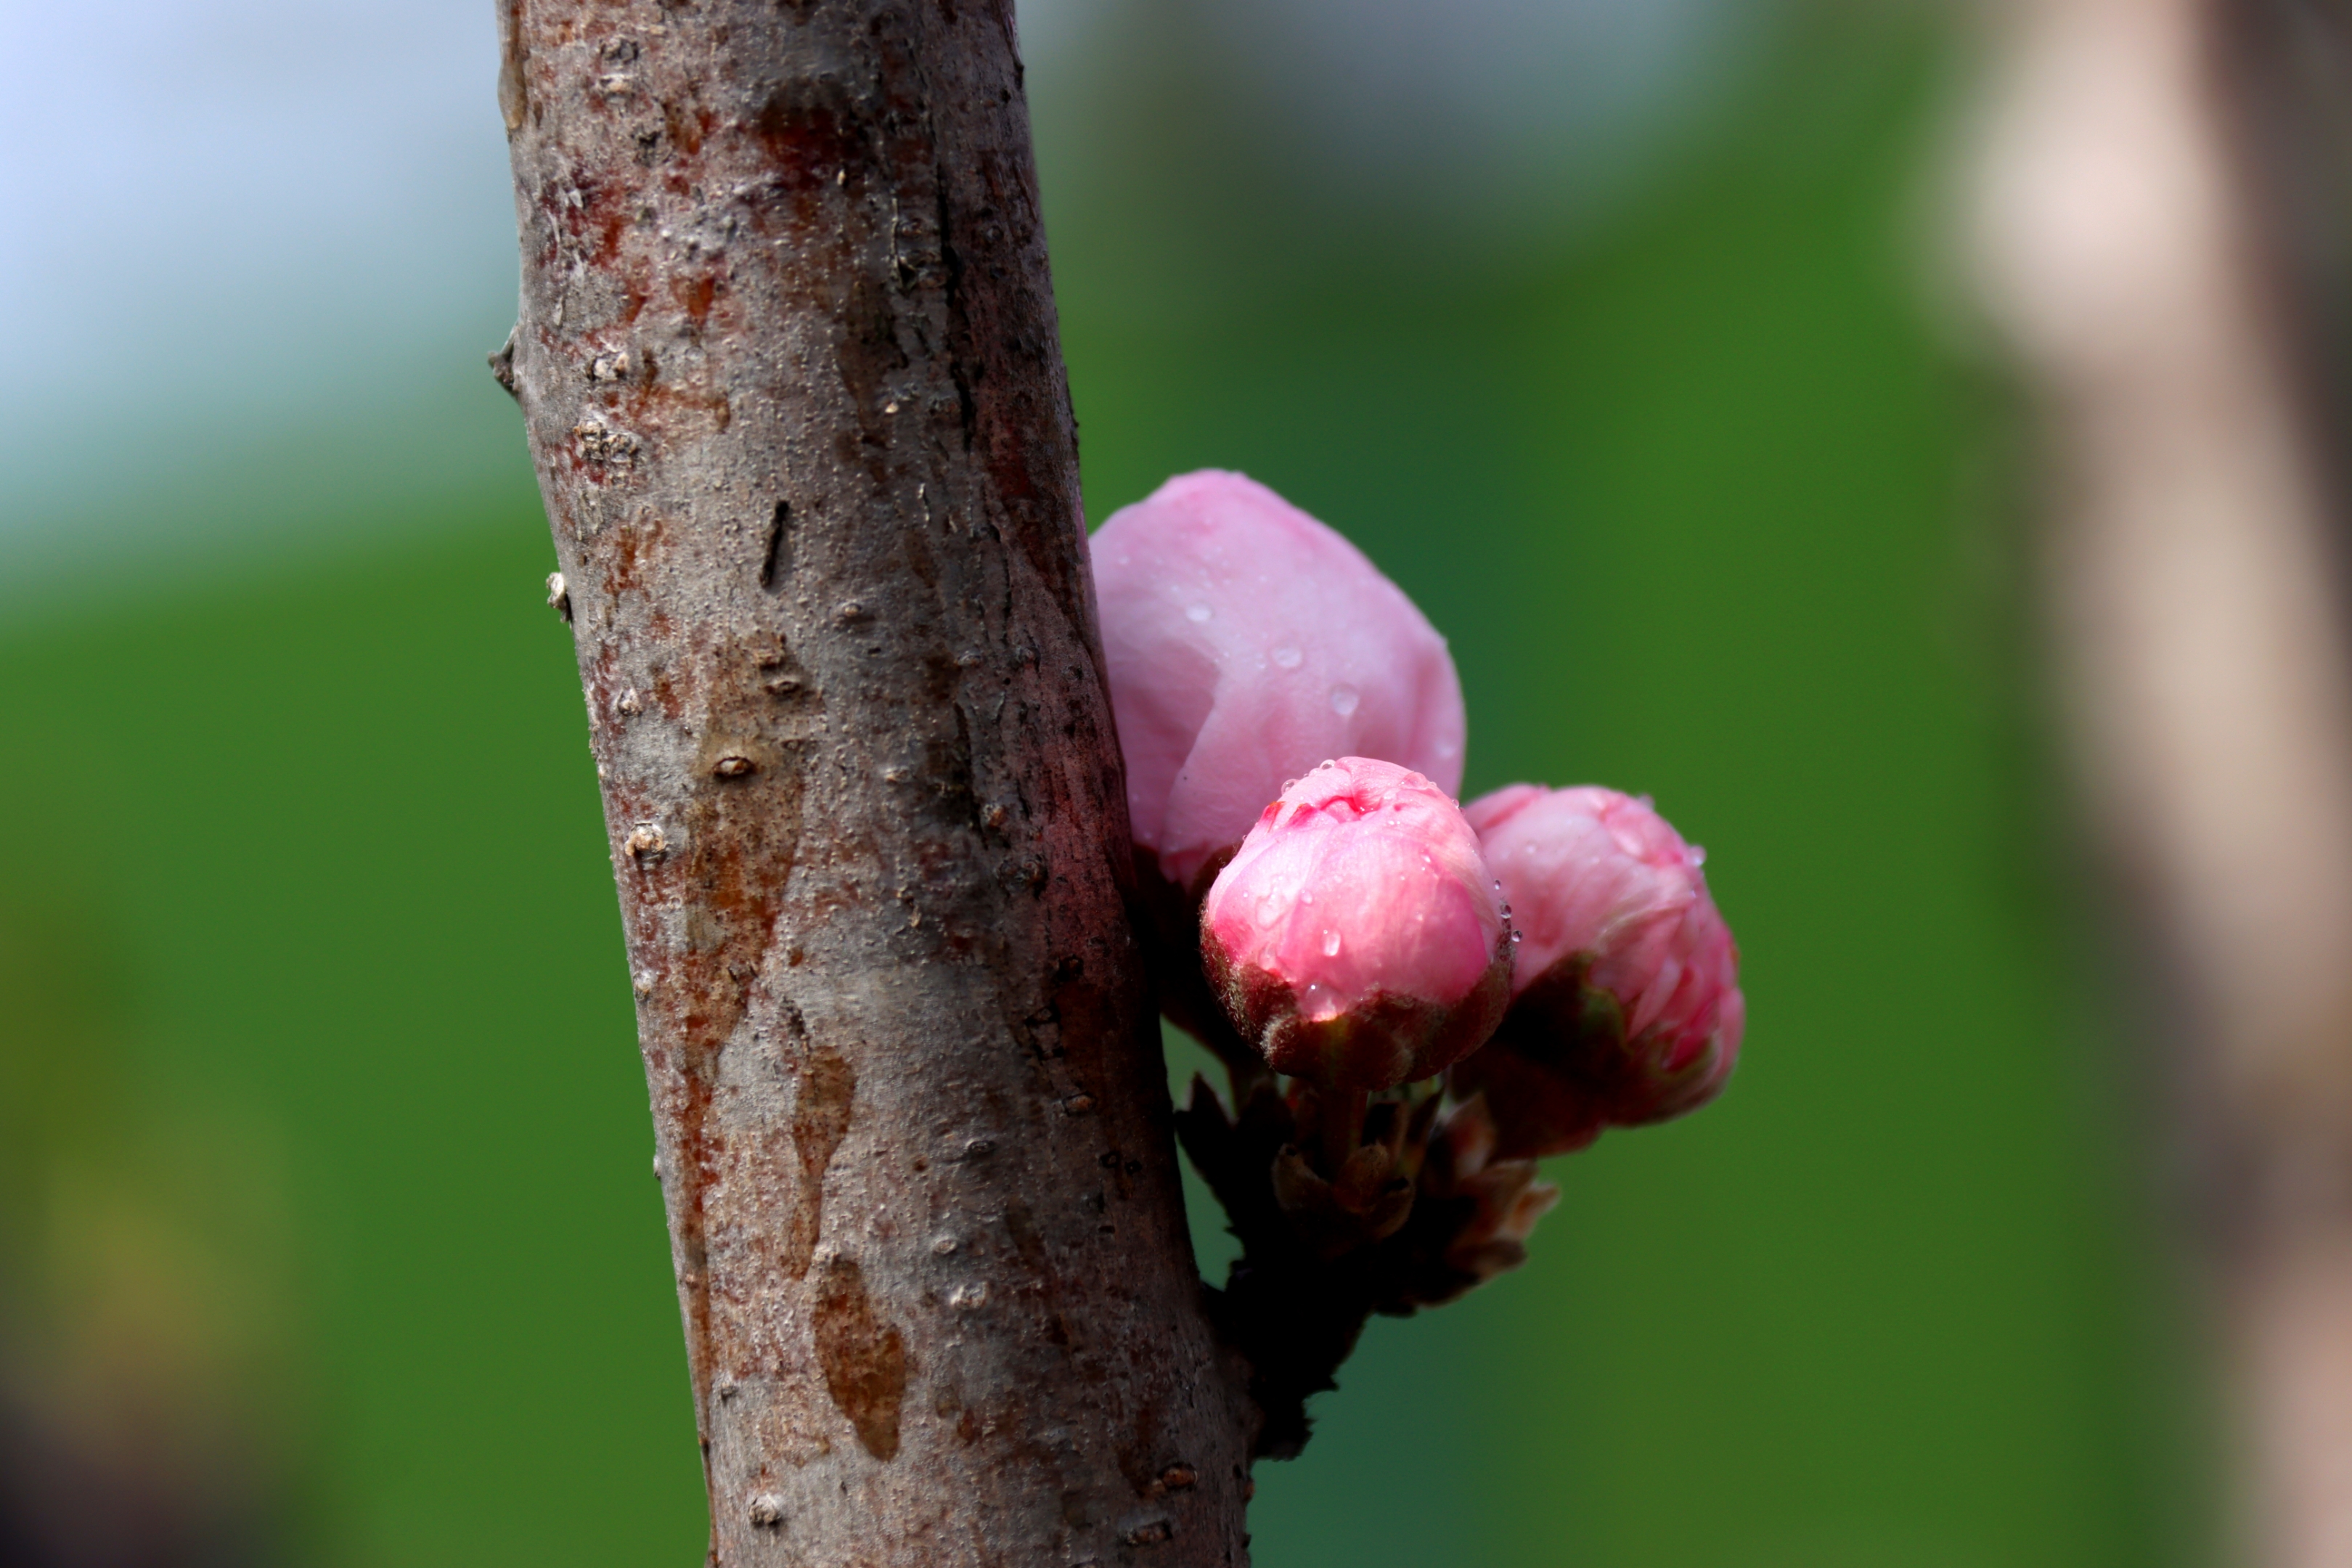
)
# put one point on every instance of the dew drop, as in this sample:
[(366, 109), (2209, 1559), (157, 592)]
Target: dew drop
[(1331, 945), (1445, 750), (1196, 614), (1288, 657), (1697, 855), (1516, 937), (1345, 699)]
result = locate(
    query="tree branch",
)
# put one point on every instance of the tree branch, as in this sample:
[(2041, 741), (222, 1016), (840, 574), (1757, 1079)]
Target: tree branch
[(2193, 561), (791, 369)]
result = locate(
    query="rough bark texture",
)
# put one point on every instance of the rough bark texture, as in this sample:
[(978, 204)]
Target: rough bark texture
[(2153, 233), (789, 361)]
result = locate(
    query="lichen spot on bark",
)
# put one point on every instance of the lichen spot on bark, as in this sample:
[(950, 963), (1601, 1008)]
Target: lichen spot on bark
[(865, 1360)]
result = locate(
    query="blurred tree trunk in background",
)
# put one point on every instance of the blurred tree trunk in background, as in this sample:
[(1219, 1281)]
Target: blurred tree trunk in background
[(790, 364), (2161, 203)]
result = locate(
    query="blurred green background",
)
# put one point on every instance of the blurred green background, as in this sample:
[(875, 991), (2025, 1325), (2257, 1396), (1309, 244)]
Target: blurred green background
[(325, 1202)]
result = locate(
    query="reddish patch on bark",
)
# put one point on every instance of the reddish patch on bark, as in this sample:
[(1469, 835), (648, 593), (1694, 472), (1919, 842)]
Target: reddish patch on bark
[(1136, 1449), (810, 139), (865, 1360), (820, 1119), (1091, 1021), (593, 220), (666, 693), (712, 407), (703, 909), (633, 548), (685, 125), (697, 1159)]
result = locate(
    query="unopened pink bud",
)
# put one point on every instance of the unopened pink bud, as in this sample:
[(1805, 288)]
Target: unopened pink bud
[(1245, 643), (1626, 1005), (1357, 938)]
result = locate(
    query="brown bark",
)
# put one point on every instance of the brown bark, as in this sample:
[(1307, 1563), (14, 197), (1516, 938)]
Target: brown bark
[(790, 365), (2144, 260)]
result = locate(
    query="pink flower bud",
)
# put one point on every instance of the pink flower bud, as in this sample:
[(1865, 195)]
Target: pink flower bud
[(1247, 642), (1626, 1005), (1357, 939)]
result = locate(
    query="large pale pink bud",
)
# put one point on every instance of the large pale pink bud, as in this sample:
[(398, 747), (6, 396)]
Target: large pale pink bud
[(1247, 642), (1357, 939), (1626, 1005)]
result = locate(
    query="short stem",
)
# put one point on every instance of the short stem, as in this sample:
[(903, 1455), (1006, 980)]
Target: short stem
[(1245, 1071), (1343, 1126), (1245, 1076)]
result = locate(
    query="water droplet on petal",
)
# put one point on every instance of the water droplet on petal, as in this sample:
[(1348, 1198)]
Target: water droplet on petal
[(1331, 945), (1288, 657), (1344, 699), (1445, 750), (1516, 937), (1196, 614), (1697, 855)]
